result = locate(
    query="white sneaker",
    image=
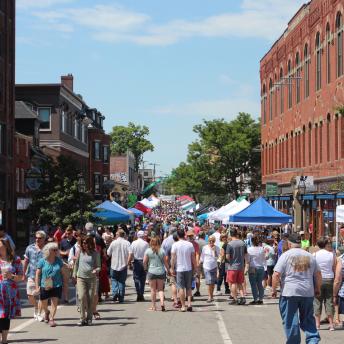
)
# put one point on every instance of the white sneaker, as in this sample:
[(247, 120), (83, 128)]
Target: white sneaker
[(39, 318), (218, 293)]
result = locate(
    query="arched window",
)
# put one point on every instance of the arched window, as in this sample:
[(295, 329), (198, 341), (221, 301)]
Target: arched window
[(264, 104), (339, 30), (309, 143), (328, 147), (328, 53), (270, 99), (298, 78), (282, 91), (290, 86), (306, 56), (318, 61)]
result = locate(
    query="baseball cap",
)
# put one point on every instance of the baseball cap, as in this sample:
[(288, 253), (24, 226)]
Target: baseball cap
[(140, 234), (295, 238)]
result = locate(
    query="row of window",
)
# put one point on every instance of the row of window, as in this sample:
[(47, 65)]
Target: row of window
[(101, 152), (98, 181), (309, 147), (73, 127), (69, 125), (295, 77)]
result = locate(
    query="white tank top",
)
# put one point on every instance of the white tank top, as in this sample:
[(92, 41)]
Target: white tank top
[(325, 259)]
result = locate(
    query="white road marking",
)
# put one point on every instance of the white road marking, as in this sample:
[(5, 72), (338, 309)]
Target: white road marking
[(222, 326), (31, 321)]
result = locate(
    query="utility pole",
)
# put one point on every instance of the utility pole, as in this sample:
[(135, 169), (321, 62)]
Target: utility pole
[(154, 169), (143, 174)]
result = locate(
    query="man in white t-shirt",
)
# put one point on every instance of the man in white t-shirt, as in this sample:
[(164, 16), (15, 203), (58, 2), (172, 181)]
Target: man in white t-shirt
[(137, 251), (300, 278), (183, 266), (217, 236)]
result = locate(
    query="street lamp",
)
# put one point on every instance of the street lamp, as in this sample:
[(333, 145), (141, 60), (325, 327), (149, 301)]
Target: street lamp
[(81, 189), (301, 191)]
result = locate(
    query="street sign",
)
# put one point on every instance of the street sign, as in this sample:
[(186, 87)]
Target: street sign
[(271, 189)]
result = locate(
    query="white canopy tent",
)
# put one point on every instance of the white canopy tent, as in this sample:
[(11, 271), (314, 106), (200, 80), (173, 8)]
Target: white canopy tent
[(240, 206), (218, 215), (339, 219)]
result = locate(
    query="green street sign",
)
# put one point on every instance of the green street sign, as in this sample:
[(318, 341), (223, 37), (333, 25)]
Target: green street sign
[(271, 189)]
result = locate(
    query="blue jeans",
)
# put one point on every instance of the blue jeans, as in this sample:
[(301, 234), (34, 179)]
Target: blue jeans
[(118, 283), (256, 282), (139, 275), (297, 312)]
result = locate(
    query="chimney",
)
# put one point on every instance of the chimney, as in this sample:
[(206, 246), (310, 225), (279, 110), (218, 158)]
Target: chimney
[(67, 81)]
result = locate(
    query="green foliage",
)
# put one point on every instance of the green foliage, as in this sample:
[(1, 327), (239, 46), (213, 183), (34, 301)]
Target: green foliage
[(132, 138), (222, 154), (58, 200)]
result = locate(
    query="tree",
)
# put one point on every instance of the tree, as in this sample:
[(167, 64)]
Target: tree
[(132, 138), (58, 200), (223, 160)]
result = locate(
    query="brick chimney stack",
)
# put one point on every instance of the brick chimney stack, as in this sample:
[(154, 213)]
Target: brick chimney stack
[(67, 81)]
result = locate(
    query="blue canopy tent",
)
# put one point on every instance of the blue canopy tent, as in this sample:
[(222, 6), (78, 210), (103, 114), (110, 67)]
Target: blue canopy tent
[(203, 217), (136, 211), (260, 212), (111, 213), (112, 206), (110, 217)]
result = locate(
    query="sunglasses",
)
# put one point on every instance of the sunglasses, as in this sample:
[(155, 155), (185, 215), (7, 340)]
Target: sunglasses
[(55, 250)]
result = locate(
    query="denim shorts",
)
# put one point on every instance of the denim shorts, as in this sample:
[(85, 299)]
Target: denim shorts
[(184, 279), (340, 305), (210, 276), (151, 276)]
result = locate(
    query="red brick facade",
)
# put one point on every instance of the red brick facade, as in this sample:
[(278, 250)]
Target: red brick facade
[(302, 127), (7, 80), (99, 160)]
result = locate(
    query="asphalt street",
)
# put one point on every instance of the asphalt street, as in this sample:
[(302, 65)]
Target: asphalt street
[(131, 322)]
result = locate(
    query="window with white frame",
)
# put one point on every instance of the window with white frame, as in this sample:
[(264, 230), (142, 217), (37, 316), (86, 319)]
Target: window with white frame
[(63, 121), (96, 150), (96, 183), (77, 129), (44, 114), (106, 154)]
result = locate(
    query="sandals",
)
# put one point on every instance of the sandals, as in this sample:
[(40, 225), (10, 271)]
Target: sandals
[(96, 316), (52, 323), (46, 316), (151, 309)]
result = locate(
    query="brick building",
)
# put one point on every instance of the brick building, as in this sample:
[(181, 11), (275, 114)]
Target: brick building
[(99, 162), (63, 119), (127, 181), (302, 93), (28, 159), (7, 80)]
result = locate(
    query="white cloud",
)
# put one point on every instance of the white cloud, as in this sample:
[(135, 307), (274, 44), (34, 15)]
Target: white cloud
[(264, 19)]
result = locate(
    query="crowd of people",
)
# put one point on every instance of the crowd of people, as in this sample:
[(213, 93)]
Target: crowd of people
[(168, 249)]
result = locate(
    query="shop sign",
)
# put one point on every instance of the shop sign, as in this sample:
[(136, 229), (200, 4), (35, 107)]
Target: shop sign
[(271, 189)]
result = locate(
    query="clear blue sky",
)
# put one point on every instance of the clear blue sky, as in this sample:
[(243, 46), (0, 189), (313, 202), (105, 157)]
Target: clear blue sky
[(167, 64)]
